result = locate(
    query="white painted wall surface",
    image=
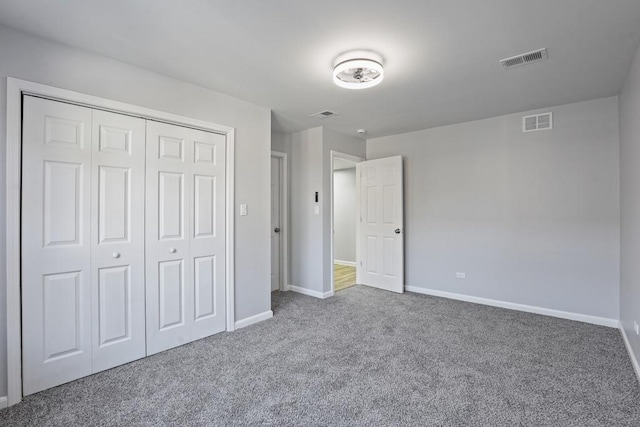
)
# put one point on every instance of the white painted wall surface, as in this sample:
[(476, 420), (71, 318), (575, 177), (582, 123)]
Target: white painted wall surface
[(280, 142), (630, 203), (344, 218), (530, 218), (306, 226), (38, 60)]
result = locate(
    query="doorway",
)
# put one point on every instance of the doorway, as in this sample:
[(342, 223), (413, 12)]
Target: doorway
[(279, 222), (344, 215)]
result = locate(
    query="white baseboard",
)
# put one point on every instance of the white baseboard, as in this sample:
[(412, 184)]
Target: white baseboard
[(254, 319), (3, 402), (602, 321), (632, 355), (311, 293), (347, 263)]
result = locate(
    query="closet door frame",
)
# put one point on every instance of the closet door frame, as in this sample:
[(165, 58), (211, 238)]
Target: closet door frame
[(16, 88)]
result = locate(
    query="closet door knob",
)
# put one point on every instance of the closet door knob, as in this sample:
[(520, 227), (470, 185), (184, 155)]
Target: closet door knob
[(116, 255), (173, 250)]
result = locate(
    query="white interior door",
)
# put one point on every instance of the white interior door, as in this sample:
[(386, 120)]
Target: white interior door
[(275, 224), (56, 243), (185, 235), (381, 243), (117, 229)]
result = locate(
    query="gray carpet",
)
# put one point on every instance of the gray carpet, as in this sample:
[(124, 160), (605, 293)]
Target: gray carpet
[(365, 357)]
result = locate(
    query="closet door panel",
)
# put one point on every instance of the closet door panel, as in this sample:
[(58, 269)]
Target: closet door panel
[(118, 288), (207, 232), (185, 235), (168, 268), (56, 261), (171, 294)]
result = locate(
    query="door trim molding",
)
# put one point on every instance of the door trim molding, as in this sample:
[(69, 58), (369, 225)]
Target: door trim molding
[(356, 159), (15, 89), (284, 216)]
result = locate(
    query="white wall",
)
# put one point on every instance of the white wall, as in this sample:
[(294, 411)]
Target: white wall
[(41, 61), (344, 214), (530, 218), (630, 203), (306, 227), (280, 142)]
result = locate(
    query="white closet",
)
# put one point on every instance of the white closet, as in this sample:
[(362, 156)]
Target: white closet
[(123, 228)]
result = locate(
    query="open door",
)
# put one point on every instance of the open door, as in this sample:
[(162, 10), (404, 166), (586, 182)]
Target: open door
[(380, 230)]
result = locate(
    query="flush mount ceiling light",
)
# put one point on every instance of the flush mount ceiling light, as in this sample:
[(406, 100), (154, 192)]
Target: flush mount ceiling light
[(358, 70)]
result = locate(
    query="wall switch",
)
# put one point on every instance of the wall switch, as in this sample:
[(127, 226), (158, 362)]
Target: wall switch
[(243, 209), (316, 210), (461, 275), (636, 328)]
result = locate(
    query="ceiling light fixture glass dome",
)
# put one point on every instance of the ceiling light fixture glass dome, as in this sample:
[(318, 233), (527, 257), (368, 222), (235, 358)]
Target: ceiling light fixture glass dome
[(358, 70)]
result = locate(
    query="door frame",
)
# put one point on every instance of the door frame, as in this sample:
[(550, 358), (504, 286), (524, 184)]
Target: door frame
[(16, 88), (284, 218), (356, 159)]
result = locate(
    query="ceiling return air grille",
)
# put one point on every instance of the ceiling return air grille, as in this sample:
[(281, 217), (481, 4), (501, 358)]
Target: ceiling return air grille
[(524, 59), (537, 122), (324, 114)]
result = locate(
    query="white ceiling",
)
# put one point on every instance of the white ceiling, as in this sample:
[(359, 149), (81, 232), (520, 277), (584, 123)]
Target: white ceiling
[(441, 56)]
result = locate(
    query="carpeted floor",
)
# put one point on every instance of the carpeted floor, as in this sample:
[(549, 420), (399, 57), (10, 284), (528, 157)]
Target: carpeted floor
[(365, 357)]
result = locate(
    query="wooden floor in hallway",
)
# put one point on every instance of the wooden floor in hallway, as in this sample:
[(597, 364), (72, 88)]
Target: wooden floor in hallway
[(344, 276)]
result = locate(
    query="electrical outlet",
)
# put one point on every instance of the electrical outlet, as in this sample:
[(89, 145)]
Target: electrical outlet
[(461, 275), (636, 328)]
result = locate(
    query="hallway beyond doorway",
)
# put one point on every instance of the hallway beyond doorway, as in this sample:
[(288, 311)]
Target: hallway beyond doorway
[(344, 276)]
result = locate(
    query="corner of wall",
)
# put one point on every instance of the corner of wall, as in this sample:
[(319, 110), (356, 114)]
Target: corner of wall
[(629, 132)]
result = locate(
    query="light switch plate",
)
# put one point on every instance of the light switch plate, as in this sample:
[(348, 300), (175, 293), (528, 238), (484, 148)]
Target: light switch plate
[(243, 209), (461, 275), (316, 210)]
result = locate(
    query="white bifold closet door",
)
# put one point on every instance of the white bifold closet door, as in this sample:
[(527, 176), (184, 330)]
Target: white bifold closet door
[(82, 242), (117, 235), (115, 268), (185, 235)]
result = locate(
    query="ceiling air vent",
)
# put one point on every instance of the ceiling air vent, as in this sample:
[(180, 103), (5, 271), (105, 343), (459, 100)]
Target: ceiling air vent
[(524, 59), (324, 114), (537, 122)]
